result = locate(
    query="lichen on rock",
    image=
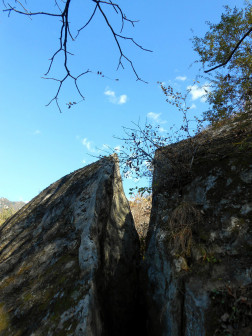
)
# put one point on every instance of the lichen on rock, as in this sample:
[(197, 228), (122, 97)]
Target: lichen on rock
[(68, 259), (210, 252)]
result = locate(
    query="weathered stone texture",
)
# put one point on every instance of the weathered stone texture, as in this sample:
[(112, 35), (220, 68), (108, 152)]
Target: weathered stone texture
[(198, 261), (68, 259)]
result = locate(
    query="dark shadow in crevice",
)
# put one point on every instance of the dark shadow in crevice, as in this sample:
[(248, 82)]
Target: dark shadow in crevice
[(120, 292)]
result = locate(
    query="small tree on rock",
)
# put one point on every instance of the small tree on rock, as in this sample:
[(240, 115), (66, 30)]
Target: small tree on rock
[(226, 55)]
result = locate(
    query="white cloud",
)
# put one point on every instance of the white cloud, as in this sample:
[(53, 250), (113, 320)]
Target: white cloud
[(193, 106), (153, 115), (37, 132), (84, 161), (181, 78), (109, 93), (88, 145), (122, 99), (162, 130), (156, 117), (198, 92)]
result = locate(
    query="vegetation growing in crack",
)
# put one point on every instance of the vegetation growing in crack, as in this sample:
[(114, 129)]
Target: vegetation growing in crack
[(184, 219), (140, 205)]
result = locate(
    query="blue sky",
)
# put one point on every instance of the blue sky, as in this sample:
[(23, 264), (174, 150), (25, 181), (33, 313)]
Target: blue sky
[(38, 145)]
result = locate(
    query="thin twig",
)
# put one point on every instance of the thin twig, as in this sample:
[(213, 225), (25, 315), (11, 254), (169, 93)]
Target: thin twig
[(90, 19), (65, 32), (10, 9)]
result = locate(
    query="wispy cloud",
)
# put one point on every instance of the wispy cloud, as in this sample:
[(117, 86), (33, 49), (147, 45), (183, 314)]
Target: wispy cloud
[(197, 92), (156, 117), (153, 115), (109, 93), (113, 98), (105, 146), (88, 145), (181, 78), (193, 106), (162, 130), (37, 132)]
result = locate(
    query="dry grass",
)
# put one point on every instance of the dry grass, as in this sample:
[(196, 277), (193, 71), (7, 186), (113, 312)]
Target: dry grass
[(183, 219), (140, 206)]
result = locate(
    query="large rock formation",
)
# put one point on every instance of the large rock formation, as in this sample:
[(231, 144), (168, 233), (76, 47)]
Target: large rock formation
[(198, 261), (68, 259)]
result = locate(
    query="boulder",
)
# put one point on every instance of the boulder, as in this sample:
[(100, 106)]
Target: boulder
[(69, 259), (197, 268)]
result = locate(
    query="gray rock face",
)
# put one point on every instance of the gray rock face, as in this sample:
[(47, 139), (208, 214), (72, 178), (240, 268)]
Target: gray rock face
[(68, 259), (198, 272)]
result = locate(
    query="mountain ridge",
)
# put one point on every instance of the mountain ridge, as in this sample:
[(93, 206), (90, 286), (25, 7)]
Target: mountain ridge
[(6, 204)]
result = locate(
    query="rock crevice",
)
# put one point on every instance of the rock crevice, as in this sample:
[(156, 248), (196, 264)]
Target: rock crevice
[(70, 261)]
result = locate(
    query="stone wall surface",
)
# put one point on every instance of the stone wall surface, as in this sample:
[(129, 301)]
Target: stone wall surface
[(197, 267), (69, 259)]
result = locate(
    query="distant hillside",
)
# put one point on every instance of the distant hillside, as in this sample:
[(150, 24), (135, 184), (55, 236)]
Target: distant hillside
[(6, 204), (8, 208)]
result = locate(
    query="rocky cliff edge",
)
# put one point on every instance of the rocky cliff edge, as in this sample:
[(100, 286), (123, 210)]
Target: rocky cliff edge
[(68, 259), (198, 262)]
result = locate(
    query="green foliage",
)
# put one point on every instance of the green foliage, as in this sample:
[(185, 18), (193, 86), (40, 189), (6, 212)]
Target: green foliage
[(228, 92), (230, 85), (5, 214), (142, 191)]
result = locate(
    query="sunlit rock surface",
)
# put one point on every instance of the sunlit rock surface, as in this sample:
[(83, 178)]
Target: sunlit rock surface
[(68, 259), (198, 263)]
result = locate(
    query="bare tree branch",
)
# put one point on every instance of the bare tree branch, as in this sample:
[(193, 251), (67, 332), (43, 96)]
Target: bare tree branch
[(61, 83), (57, 5), (65, 33), (232, 53), (90, 19), (118, 44), (10, 9)]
